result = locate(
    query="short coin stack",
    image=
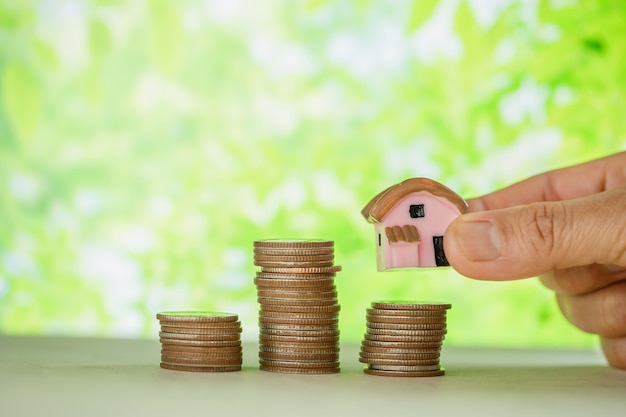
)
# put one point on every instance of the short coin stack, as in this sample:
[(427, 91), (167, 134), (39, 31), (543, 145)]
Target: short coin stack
[(298, 317), (404, 339), (200, 341)]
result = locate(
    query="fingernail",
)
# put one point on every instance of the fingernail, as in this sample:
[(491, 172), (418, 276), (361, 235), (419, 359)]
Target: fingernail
[(479, 240)]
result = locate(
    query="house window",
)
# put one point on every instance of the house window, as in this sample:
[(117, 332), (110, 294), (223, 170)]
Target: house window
[(416, 211), (380, 242)]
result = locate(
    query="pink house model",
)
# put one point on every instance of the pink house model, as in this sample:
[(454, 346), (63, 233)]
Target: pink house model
[(410, 219)]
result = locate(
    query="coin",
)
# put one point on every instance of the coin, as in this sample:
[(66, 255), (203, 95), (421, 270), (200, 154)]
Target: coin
[(378, 372), (196, 316), (201, 330), (399, 362), (398, 356), (205, 343), (286, 370), (199, 355), (377, 318), (297, 309), (404, 332), (177, 360), (400, 351), (293, 283), (409, 305), (300, 321), (294, 251), (402, 344), (318, 302), (406, 326), (294, 276), (191, 368), (299, 356), (410, 313), (291, 350), (299, 364), (401, 368), (290, 291), (300, 332), (293, 243), (398, 338), (201, 349), (294, 258), (303, 270), (204, 337), (298, 315)]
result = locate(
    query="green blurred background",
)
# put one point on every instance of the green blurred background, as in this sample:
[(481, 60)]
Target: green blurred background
[(145, 144)]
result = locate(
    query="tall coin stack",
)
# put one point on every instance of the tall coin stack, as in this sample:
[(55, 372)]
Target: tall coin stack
[(298, 316), (200, 341), (404, 339)]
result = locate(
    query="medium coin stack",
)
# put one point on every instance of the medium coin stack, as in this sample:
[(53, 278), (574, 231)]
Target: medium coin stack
[(404, 339), (200, 341), (298, 316)]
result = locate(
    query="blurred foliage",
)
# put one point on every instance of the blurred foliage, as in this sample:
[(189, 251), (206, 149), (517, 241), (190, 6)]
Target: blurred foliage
[(145, 144)]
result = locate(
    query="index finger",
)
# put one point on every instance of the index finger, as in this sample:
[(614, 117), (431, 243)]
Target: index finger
[(561, 184)]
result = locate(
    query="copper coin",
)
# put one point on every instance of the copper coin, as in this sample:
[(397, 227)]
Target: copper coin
[(303, 270), (294, 258), (331, 309), (404, 374), (304, 333), (290, 350), (295, 290), (298, 321), (407, 326), (294, 251), (393, 332), (294, 264), (291, 276), (293, 283), (202, 355), (173, 360), (325, 340), (409, 305), (201, 324), (408, 368), (211, 336), (401, 344), (297, 315), (395, 362), (373, 318), (299, 357), (400, 351), (196, 316), (293, 243), (201, 330), (297, 327), (204, 343), (300, 364), (399, 356), (299, 302), (201, 349), (297, 295), (285, 370), (398, 338), (404, 313), (191, 368)]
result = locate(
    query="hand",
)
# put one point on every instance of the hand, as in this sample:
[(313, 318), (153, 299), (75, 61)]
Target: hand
[(567, 226)]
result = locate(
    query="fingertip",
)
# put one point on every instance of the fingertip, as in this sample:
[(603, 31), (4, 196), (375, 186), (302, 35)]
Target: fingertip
[(614, 349)]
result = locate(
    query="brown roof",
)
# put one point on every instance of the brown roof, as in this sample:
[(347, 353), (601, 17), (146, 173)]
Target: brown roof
[(380, 205), (406, 233)]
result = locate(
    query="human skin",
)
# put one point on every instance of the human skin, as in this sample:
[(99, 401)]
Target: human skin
[(568, 227)]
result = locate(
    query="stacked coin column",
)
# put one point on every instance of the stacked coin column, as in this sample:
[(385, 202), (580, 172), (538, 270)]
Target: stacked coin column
[(298, 316), (404, 339), (200, 341)]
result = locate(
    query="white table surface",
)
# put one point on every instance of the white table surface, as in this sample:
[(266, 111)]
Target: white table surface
[(45, 376)]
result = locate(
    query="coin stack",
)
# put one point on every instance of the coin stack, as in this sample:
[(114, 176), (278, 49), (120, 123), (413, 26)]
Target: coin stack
[(404, 339), (298, 316), (200, 341)]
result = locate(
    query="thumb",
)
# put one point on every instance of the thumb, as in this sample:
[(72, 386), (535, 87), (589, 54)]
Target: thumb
[(525, 241)]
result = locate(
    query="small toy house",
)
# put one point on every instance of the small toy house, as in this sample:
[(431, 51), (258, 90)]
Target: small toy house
[(410, 219)]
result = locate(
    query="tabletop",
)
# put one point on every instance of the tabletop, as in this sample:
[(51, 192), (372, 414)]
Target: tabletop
[(116, 377)]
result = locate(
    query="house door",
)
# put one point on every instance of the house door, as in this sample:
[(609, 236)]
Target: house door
[(440, 256)]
